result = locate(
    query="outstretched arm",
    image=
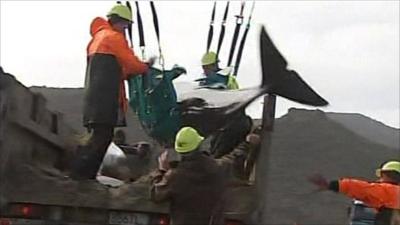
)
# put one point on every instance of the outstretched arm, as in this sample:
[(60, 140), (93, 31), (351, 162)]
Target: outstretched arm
[(236, 159), (161, 183), (373, 194)]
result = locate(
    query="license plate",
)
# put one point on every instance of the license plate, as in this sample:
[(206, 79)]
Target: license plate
[(117, 218)]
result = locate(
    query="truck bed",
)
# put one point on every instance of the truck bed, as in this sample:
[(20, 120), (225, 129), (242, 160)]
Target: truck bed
[(35, 144)]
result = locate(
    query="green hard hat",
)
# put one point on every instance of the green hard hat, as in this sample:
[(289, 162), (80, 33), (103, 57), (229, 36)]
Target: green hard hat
[(121, 11), (209, 58), (187, 139), (389, 166)]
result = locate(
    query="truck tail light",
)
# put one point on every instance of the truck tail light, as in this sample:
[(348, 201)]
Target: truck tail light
[(5, 221), (160, 219), (163, 220), (25, 211)]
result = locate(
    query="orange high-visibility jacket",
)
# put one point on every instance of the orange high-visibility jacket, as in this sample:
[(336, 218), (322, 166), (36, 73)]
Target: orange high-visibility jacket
[(106, 40), (376, 195)]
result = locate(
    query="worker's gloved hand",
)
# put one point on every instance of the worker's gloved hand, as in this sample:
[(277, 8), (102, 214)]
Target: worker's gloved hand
[(318, 180), (257, 130), (253, 139), (179, 69), (163, 164), (151, 61)]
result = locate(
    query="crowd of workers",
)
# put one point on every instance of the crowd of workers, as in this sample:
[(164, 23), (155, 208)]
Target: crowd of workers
[(195, 185)]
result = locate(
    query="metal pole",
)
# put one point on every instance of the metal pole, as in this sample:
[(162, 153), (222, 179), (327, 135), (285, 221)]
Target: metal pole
[(262, 164)]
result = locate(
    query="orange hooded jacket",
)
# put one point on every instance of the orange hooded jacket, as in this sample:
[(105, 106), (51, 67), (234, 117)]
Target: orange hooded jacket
[(106, 40), (375, 195)]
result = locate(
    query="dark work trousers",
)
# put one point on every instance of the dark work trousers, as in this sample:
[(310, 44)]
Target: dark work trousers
[(90, 156)]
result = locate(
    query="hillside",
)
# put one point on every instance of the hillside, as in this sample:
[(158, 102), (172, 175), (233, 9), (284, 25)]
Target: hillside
[(368, 128)]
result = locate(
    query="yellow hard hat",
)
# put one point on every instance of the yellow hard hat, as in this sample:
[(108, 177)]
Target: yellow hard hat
[(121, 11), (389, 166), (209, 58), (187, 139)]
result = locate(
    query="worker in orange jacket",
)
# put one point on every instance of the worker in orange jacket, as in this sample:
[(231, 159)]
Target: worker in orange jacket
[(110, 61), (383, 195)]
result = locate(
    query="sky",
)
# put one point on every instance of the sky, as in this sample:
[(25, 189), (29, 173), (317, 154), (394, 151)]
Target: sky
[(348, 51)]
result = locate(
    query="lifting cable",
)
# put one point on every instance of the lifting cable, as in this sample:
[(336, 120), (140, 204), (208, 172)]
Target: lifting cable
[(242, 42), (140, 31), (130, 26), (222, 32), (239, 21), (155, 21), (211, 29), (142, 45)]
